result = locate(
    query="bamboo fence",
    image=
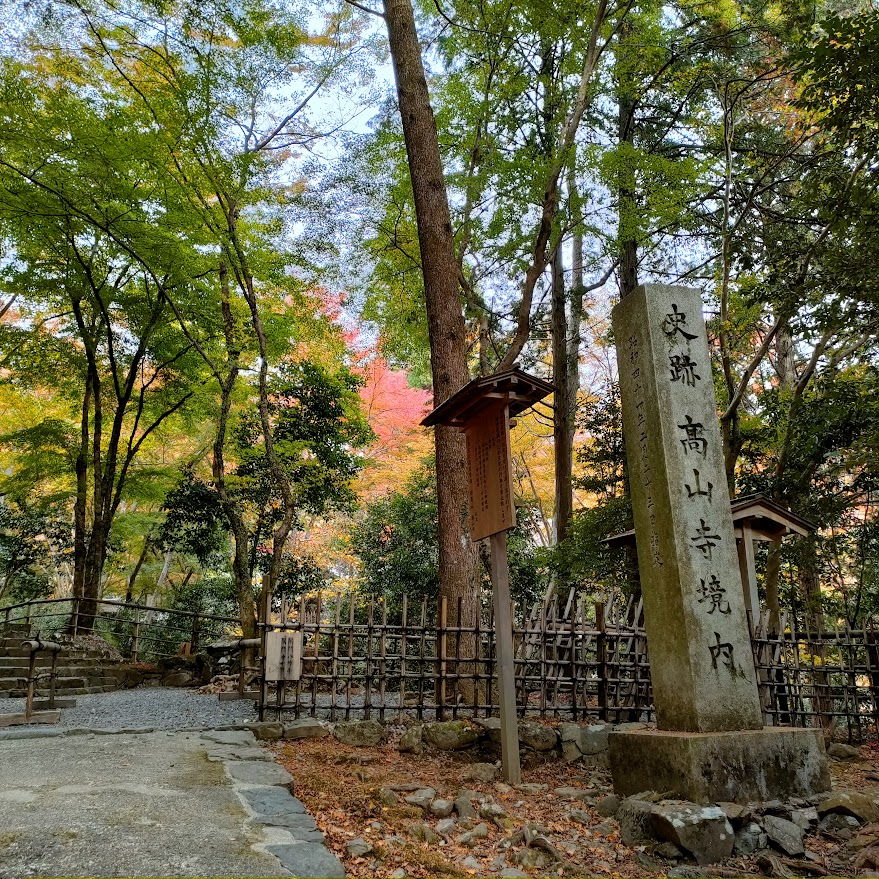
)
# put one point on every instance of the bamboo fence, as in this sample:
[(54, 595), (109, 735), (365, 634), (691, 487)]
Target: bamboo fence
[(575, 660)]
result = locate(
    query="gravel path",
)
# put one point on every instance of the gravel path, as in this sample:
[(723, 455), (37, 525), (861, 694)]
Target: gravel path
[(156, 707)]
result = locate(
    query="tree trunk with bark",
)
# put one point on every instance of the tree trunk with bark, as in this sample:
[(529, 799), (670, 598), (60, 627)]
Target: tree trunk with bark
[(562, 409), (626, 183), (458, 559)]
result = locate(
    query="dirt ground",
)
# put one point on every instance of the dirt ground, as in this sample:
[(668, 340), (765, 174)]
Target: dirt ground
[(340, 786)]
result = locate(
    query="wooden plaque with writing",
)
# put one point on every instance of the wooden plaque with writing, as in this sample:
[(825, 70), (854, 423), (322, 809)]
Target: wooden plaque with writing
[(489, 468)]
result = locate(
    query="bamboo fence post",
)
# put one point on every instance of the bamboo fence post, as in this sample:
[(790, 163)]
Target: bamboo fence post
[(349, 678), (403, 634), (601, 659), (442, 645), (872, 661), (421, 649), (383, 668)]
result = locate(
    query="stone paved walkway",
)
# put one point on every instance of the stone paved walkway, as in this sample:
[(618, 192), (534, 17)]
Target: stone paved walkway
[(209, 803)]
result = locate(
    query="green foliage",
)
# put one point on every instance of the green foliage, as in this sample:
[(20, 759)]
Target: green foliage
[(317, 428), (582, 558), (31, 542), (840, 79), (396, 542), (195, 522)]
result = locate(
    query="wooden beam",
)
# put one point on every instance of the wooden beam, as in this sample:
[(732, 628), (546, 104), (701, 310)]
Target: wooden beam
[(503, 627)]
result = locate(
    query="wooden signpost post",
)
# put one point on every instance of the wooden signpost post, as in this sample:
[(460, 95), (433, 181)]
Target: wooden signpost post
[(482, 409)]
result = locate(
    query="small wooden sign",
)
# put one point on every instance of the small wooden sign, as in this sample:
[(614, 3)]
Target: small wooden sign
[(489, 467), (283, 656)]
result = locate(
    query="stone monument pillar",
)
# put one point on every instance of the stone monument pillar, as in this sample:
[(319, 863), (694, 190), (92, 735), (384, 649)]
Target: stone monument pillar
[(710, 743)]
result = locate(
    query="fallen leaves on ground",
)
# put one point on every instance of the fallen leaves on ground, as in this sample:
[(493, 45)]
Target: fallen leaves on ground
[(339, 785)]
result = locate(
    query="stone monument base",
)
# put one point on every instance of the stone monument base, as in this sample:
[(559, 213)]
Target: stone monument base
[(738, 767)]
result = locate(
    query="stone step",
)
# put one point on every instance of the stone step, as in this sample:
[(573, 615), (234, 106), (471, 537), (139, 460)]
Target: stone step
[(45, 659), (17, 652), (66, 681), (14, 630), (69, 691)]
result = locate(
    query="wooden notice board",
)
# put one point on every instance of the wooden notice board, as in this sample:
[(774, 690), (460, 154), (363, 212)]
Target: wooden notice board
[(489, 469)]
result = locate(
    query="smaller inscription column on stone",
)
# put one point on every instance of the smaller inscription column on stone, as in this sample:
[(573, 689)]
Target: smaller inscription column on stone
[(697, 633)]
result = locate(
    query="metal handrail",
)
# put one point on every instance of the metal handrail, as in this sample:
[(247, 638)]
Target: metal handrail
[(34, 646), (194, 620), (129, 604)]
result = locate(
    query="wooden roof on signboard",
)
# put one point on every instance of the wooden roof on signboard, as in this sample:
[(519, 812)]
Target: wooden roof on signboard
[(518, 388), (767, 520)]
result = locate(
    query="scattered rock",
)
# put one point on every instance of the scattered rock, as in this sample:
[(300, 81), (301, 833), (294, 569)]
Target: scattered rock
[(575, 793), (634, 819), (425, 833), (464, 807), (804, 818), (857, 805), (703, 831), (571, 752), (837, 823), (608, 806), (593, 738), (843, 752), (267, 731), (532, 859), (513, 873), (785, 834), (421, 798), (450, 735), (482, 773), (580, 816), (399, 873), (736, 815), (537, 736), (750, 839), (669, 851), (480, 831), (446, 826), (773, 807), (492, 812), (359, 733), (387, 797), (304, 728), (410, 741), (441, 808), (685, 872), (358, 847), (532, 789), (502, 788), (470, 863), (569, 732), (580, 742)]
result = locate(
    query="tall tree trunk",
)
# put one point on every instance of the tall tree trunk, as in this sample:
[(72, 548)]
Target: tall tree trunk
[(458, 560), (562, 404), (785, 366), (79, 508), (242, 573), (626, 184)]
